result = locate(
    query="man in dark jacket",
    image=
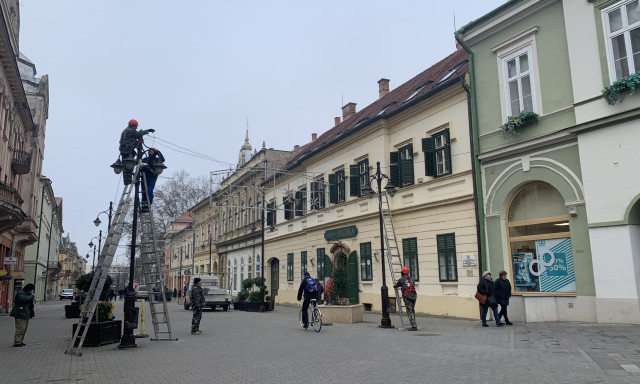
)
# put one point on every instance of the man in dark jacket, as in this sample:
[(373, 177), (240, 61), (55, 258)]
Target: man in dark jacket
[(486, 287), (22, 311), (307, 289), (197, 302), (408, 296), (129, 141), (154, 158)]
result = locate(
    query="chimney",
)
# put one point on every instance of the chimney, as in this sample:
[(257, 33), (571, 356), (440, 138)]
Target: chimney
[(336, 121), (296, 147), (348, 111), (383, 87), (314, 136)]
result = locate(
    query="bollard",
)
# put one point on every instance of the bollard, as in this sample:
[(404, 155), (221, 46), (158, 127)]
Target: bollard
[(143, 332)]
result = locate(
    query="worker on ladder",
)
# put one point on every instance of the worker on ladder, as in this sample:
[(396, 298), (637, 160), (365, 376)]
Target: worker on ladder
[(153, 166), (408, 296), (130, 139)]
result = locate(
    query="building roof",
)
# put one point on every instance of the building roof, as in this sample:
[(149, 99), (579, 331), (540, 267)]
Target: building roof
[(187, 217), (435, 78)]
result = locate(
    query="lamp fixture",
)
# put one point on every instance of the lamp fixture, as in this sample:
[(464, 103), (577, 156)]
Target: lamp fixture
[(97, 221)]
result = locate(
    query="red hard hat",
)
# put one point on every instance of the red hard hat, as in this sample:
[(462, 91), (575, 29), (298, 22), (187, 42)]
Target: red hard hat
[(133, 122), (405, 270)]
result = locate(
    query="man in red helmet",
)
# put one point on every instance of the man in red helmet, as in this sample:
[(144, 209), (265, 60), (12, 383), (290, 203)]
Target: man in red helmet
[(129, 141), (408, 296)]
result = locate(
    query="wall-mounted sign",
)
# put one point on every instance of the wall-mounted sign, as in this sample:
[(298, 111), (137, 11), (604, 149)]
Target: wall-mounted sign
[(341, 233), (469, 261), (10, 260)]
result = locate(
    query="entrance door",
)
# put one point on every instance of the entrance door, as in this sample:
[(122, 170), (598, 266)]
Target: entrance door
[(353, 278), (275, 281)]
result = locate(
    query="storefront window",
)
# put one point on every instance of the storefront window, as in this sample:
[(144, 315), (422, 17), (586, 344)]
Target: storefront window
[(540, 241)]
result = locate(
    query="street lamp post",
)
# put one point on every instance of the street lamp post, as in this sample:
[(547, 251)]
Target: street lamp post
[(385, 322), (109, 213)]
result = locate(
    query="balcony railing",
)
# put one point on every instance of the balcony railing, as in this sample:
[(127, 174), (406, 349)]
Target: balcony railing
[(21, 162), (10, 195)]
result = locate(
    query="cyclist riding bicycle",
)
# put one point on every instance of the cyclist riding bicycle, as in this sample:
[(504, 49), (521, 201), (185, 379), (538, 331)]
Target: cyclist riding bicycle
[(311, 290)]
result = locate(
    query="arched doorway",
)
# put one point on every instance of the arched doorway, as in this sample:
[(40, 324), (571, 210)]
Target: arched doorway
[(275, 280), (540, 241), (350, 266)]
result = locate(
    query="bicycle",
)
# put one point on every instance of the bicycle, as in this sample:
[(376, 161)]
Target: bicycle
[(315, 317)]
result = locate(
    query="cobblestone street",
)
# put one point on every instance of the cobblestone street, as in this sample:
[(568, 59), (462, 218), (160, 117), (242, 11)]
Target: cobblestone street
[(241, 347)]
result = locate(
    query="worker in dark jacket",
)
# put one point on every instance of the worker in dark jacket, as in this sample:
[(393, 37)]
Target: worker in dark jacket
[(486, 287), (154, 162), (130, 138), (22, 311), (197, 302), (409, 296)]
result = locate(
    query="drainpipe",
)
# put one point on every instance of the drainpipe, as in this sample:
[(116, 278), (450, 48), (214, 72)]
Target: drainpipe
[(475, 148)]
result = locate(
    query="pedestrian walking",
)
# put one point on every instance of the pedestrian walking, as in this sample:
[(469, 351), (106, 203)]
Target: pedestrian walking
[(175, 293), (22, 311), (502, 290), (408, 296), (197, 301), (486, 287)]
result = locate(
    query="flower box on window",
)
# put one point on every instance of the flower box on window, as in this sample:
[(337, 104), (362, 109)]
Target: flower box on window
[(618, 90), (515, 123)]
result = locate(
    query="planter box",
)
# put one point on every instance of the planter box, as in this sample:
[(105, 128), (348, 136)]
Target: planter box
[(103, 333), (240, 306), (347, 314), (253, 307), (72, 311)]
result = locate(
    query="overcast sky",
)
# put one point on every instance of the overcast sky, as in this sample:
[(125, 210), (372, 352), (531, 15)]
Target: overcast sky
[(197, 71)]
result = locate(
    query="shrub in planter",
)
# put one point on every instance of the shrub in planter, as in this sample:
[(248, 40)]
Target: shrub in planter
[(339, 290), (515, 123), (615, 92), (84, 283), (243, 296)]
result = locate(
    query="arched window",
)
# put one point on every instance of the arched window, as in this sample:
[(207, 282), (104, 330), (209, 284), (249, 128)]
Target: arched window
[(243, 216), (250, 211), (230, 220), (540, 241), (236, 218), (235, 274)]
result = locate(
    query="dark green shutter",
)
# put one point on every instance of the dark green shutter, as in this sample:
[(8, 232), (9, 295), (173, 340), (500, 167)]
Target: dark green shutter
[(328, 266), (298, 203), (333, 188), (319, 259), (429, 156), (353, 278), (406, 169), (354, 180), (447, 151), (270, 213), (394, 172)]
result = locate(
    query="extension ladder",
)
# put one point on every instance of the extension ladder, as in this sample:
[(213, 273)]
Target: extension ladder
[(152, 271), (102, 270), (393, 253)]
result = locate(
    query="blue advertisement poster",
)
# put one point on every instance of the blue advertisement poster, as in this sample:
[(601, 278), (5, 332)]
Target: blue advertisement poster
[(554, 265)]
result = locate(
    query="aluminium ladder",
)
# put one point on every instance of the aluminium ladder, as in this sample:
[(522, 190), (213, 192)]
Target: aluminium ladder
[(152, 271), (393, 253), (101, 271)]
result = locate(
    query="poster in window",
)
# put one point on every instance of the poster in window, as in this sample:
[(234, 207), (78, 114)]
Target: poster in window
[(555, 265), (524, 280)]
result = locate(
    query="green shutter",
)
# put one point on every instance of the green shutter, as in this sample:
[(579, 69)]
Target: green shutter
[(406, 169), (394, 169), (328, 266), (353, 278), (270, 214), (354, 180), (319, 259), (298, 203), (333, 188), (429, 156), (447, 150), (303, 263)]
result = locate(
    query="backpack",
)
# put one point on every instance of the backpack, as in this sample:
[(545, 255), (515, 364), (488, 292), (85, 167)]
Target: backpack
[(312, 285)]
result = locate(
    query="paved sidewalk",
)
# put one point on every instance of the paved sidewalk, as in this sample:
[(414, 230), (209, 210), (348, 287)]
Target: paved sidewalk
[(241, 347)]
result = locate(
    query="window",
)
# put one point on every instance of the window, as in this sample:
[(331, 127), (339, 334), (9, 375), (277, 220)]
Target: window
[(237, 218), (622, 28), (271, 213), (358, 177), (288, 207), (289, 266), (303, 263), (320, 263), (317, 193), (230, 220), (402, 166), (437, 154), (336, 187), (301, 202), (410, 257), (366, 267), (250, 211), (447, 257), (243, 215), (224, 222), (519, 91)]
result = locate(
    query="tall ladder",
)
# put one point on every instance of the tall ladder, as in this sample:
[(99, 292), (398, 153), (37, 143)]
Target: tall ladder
[(393, 253), (152, 271), (102, 270)]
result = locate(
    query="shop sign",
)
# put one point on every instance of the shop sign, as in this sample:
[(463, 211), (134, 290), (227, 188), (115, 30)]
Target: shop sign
[(10, 260), (341, 233)]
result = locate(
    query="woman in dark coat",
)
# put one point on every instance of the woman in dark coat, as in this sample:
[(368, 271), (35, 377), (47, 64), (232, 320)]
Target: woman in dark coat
[(502, 288), (486, 287)]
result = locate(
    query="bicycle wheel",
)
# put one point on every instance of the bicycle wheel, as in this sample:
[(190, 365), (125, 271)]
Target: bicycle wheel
[(300, 318), (317, 320)]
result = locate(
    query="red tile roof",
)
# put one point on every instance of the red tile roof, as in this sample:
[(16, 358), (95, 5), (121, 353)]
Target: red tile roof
[(187, 217), (394, 102)]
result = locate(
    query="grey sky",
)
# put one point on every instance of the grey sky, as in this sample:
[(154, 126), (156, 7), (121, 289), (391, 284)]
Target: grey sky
[(197, 70)]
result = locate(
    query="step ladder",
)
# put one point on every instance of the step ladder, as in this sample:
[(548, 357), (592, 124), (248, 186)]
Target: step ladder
[(393, 254), (101, 271), (152, 271)]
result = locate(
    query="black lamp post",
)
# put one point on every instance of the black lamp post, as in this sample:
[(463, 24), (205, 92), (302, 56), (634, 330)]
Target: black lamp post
[(385, 322), (109, 213)]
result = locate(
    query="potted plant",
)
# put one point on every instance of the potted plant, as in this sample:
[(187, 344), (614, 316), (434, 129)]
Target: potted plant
[(516, 123), (249, 298), (616, 91), (340, 310), (103, 329), (241, 301)]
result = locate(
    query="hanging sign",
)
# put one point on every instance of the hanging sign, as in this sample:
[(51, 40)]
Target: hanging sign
[(10, 260), (341, 233)]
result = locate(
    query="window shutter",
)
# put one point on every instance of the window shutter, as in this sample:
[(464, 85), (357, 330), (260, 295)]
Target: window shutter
[(298, 203), (354, 180), (406, 169), (447, 150), (394, 169), (428, 147), (270, 214), (333, 188)]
